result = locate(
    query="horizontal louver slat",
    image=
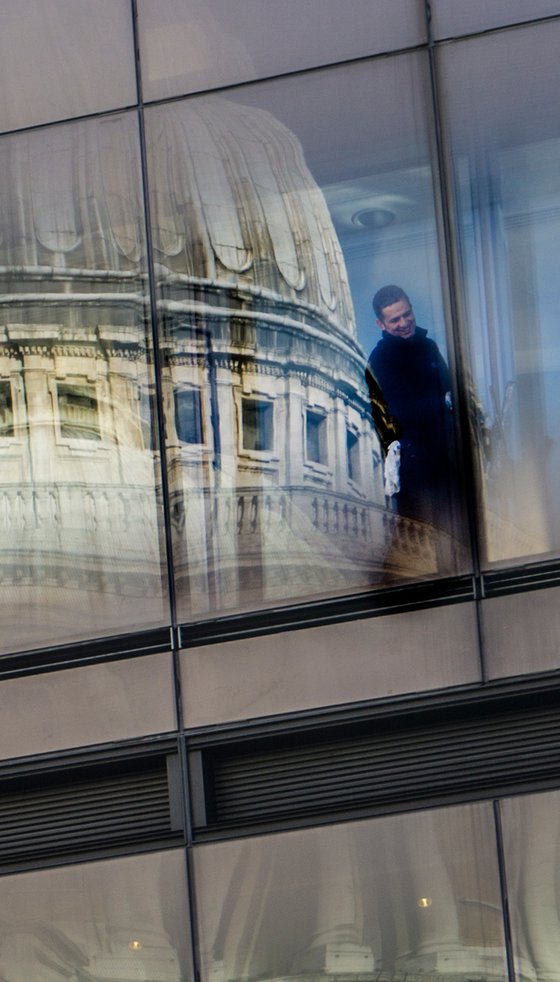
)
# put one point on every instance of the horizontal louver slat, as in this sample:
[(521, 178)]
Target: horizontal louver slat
[(75, 812), (388, 766)]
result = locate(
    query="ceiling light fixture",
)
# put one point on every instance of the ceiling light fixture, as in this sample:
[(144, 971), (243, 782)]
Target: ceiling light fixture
[(373, 218)]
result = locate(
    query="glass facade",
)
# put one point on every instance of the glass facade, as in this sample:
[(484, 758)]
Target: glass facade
[(452, 17), (530, 831), (119, 919), (415, 906), (265, 214), (205, 44), (64, 58), (80, 500), (504, 164), (279, 530)]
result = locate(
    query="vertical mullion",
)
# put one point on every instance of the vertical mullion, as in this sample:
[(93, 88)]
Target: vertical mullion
[(157, 360), (443, 194), (158, 390), (510, 959)]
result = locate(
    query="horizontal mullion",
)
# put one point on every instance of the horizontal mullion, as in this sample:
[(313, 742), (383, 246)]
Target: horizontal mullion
[(537, 576)]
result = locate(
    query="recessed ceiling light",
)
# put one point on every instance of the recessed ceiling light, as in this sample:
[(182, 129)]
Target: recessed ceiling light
[(373, 217)]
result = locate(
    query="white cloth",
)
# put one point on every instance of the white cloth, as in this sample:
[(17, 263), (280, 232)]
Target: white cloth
[(391, 470)]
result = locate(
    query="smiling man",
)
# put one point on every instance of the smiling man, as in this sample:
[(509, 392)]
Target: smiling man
[(410, 391)]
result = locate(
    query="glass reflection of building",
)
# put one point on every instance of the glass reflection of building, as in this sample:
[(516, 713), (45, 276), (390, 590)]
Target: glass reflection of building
[(258, 725), (78, 496), (275, 484)]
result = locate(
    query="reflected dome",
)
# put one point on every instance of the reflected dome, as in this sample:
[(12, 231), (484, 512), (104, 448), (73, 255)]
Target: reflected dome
[(236, 204)]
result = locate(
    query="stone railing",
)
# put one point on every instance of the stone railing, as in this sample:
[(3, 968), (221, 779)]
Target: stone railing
[(98, 538), (283, 534), (56, 508), (275, 525)]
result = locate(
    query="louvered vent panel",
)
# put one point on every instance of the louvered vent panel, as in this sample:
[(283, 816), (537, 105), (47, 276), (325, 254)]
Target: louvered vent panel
[(448, 759), (86, 813)]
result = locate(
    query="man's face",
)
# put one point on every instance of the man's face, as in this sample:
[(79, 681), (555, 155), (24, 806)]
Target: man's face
[(398, 319)]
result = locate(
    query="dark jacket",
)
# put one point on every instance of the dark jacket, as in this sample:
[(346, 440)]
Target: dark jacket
[(413, 379)]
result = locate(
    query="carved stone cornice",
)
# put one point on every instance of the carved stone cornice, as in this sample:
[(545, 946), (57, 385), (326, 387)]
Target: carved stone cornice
[(9, 350), (29, 348), (74, 349)]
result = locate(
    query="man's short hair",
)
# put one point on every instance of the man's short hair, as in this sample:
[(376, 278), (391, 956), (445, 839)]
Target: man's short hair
[(387, 296)]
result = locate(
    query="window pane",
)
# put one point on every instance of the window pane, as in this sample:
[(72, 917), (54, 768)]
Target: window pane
[(322, 666), (352, 455), (406, 897), (6, 410), (453, 17), (122, 919), (277, 214), (146, 413), (191, 45), (83, 706), (316, 438), (188, 415), (505, 158), (62, 58), (530, 826), (78, 413), (79, 507), (256, 424)]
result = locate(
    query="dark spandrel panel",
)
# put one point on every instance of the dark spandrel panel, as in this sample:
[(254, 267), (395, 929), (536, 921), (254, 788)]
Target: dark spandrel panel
[(530, 827), (64, 58), (504, 144), (119, 919), (454, 17), (80, 515), (83, 706), (277, 213), (521, 632), (406, 897), (192, 45), (333, 665)]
